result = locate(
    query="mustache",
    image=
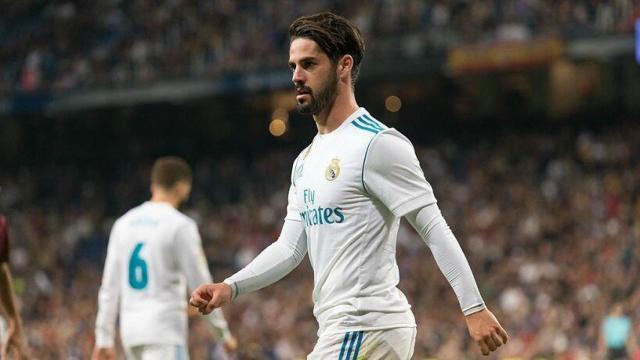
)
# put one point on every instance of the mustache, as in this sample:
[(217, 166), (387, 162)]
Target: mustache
[(303, 89)]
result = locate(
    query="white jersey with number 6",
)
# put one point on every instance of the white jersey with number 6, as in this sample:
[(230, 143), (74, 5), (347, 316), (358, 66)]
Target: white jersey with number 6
[(154, 254)]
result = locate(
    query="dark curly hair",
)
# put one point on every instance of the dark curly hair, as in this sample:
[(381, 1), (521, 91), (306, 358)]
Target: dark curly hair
[(335, 35)]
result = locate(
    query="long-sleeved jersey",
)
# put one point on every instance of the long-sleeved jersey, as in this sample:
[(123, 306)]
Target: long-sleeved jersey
[(348, 191), (154, 255)]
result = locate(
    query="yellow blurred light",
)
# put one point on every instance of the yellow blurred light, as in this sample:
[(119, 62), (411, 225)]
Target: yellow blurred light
[(277, 127), (393, 103)]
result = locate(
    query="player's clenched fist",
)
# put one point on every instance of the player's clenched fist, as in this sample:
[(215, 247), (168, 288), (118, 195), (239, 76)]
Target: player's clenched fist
[(486, 331), (208, 297)]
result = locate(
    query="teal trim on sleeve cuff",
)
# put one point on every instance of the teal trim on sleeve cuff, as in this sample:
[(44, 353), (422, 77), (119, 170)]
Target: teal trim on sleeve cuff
[(234, 288), (474, 309)]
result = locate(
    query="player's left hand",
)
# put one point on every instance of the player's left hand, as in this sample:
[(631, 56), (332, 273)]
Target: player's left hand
[(486, 331)]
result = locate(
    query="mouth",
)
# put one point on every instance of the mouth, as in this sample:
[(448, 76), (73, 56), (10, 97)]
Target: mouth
[(302, 91), (301, 94)]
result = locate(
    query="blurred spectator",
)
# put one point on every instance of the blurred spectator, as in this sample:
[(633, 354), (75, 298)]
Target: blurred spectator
[(617, 334), (69, 44), (551, 223)]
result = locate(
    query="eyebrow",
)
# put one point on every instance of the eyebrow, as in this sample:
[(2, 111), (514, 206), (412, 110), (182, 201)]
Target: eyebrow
[(308, 58)]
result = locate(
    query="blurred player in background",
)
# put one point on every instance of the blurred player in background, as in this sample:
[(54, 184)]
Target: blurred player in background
[(617, 338), (154, 254), (349, 189), (15, 345)]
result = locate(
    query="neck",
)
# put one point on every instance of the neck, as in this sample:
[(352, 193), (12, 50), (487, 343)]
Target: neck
[(165, 197), (333, 116)]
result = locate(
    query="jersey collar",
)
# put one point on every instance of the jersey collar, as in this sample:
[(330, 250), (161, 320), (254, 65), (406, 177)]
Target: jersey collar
[(344, 124)]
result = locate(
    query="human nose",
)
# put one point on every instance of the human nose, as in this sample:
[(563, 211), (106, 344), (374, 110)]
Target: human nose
[(297, 77)]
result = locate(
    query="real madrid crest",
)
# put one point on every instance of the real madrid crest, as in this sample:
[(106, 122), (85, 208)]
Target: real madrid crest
[(333, 170)]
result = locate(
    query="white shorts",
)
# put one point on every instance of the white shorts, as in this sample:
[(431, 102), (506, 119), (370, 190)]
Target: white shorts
[(390, 344), (157, 352)]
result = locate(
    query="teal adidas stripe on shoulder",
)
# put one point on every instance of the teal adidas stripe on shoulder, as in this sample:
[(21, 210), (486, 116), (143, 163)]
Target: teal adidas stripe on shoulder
[(374, 121), (359, 123), (370, 123)]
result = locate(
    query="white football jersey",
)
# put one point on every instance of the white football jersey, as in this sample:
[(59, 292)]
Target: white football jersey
[(154, 254), (349, 188)]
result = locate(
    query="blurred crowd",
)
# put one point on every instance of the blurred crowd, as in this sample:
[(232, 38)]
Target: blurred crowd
[(549, 222), (69, 44)]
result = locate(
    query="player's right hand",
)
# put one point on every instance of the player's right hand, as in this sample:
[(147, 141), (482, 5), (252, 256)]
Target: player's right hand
[(486, 331), (208, 297)]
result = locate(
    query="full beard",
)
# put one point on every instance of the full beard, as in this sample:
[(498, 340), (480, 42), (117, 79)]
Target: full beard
[(326, 96)]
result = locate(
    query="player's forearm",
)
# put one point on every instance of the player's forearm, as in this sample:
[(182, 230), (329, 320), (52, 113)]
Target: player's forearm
[(273, 263), (190, 256), (108, 298), (106, 319), (433, 229), (109, 295)]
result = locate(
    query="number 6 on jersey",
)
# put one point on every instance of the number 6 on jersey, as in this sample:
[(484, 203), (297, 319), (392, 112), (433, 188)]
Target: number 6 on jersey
[(138, 276)]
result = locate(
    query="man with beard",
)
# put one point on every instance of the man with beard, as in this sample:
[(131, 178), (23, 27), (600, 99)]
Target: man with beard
[(349, 189)]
